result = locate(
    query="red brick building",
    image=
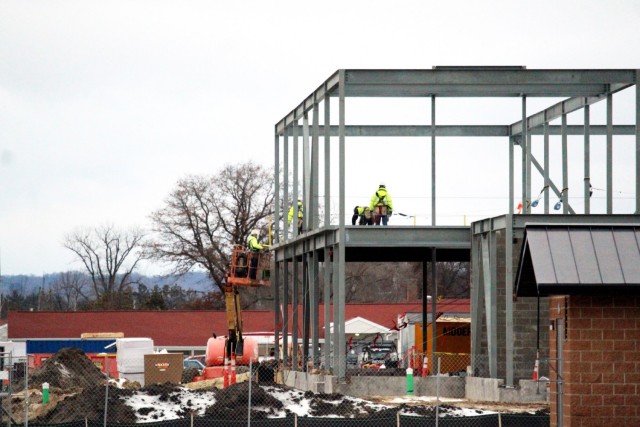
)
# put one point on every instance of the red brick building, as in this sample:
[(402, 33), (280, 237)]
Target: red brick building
[(189, 329)]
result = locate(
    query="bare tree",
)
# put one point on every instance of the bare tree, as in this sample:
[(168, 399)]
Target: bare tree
[(110, 256), (71, 287), (204, 216)]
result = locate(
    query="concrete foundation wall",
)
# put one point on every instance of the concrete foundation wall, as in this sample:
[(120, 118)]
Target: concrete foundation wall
[(493, 390), (471, 388), (364, 386)]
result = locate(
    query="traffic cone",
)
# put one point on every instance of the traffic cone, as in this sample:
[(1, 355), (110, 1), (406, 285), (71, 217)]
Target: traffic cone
[(424, 366), (535, 370)]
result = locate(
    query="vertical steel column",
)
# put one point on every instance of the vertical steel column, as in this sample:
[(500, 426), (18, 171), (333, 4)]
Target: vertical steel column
[(525, 157), (328, 264), (565, 166), (336, 328), (276, 191), (529, 193), (315, 173), (285, 182), (276, 233), (306, 307), (637, 141), (511, 176), (285, 307), (314, 299), (296, 185), (609, 154), (508, 285), (490, 306), (295, 306), (306, 170), (277, 313), (476, 301), (327, 269), (587, 159), (327, 161), (433, 160), (340, 301), (547, 181), (434, 312), (424, 308)]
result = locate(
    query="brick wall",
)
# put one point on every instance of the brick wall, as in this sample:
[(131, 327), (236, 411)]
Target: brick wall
[(601, 360)]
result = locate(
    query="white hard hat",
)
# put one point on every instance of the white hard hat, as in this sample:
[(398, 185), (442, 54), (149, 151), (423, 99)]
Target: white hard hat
[(255, 231)]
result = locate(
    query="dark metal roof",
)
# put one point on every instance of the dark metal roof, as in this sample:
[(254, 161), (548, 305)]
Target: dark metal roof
[(579, 259)]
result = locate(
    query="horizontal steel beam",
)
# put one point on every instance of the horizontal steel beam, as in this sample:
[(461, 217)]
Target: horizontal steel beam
[(521, 220), (461, 90), (462, 130), (564, 107)]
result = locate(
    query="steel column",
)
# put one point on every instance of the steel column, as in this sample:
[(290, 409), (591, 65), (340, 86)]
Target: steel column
[(546, 168), (490, 307), (314, 300), (295, 306), (526, 155), (609, 154), (477, 296), (637, 142), (327, 267), (587, 160), (565, 168), (340, 300), (285, 309), (306, 172), (296, 186), (315, 173), (433, 160), (285, 183)]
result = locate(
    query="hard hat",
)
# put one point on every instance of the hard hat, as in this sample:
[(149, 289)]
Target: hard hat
[(382, 186), (255, 232)]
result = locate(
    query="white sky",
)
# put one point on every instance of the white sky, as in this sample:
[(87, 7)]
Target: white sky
[(105, 105)]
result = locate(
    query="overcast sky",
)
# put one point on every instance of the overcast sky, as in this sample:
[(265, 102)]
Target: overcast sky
[(104, 105)]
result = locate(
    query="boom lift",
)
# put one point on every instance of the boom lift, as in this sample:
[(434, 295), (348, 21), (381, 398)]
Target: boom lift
[(247, 269)]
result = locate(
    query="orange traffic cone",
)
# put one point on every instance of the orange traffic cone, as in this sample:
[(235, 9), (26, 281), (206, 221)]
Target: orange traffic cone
[(424, 366), (535, 370)]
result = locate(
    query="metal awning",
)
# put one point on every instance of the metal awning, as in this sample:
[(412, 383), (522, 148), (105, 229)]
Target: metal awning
[(579, 259)]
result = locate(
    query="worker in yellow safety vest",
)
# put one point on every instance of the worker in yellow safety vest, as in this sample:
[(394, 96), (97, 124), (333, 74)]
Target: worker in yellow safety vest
[(381, 205), (300, 215), (255, 247), (362, 215)]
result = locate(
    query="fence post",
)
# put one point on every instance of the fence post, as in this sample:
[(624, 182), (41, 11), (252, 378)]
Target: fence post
[(26, 398), (249, 400)]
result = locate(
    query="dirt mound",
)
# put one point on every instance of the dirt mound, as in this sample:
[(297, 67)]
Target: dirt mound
[(232, 403), (68, 369)]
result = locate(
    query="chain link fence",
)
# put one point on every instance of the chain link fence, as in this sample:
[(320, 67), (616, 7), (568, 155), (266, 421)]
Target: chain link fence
[(72, 391)]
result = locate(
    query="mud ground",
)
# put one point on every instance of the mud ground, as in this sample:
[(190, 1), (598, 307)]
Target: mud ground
[(77, 390)]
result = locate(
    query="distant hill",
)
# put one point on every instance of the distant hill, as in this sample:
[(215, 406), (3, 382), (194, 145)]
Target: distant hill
[(28, 284)]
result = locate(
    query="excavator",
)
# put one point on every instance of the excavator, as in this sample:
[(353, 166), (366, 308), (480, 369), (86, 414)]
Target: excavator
[(247, 269)]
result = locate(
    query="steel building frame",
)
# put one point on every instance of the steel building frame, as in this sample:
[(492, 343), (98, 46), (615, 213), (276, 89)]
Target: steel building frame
[(334, 244)]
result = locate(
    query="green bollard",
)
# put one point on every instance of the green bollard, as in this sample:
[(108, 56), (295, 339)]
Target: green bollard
[(409, 381), (45, 393)]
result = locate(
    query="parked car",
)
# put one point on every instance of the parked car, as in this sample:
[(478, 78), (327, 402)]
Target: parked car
[(193, 362)]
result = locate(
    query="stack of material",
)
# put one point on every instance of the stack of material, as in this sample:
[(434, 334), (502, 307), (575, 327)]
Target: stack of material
[(130, 357)]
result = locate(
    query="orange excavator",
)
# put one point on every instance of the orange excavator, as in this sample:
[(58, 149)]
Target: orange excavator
[(247, 269)]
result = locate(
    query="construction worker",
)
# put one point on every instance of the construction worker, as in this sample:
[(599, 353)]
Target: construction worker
[(255, 247), (381, 205), (362, 214), (300, 215)]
